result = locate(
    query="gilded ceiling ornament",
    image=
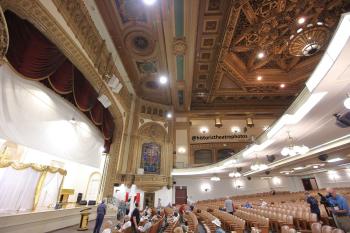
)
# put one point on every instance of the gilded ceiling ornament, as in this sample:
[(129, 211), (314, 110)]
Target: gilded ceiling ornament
[(179, 46), (4, 35)]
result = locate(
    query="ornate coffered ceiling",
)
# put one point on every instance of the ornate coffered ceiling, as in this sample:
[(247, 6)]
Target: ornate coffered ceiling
[(137, 33), (232, 34)]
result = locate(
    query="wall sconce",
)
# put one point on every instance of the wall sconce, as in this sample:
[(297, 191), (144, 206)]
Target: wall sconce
[(250, 122), (204, 130), (218, 123)]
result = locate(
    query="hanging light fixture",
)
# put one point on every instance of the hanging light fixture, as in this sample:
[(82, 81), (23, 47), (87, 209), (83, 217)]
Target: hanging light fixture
[(257, 166), (292, 149), (347, 102), (215, 178), (235, 174)]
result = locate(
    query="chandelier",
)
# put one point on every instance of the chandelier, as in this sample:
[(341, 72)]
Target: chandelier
[(309, 39), (292, 149), (215, 178), (257, 166), (234, 174)]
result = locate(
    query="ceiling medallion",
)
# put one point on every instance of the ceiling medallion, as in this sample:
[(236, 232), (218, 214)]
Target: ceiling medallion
[(179, 46), (309, 40)]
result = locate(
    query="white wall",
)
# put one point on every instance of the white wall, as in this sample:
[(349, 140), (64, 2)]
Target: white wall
[(165, 195), (226, 186), (338, 178)]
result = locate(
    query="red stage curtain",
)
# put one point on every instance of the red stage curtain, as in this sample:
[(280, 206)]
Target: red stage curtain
[(37, 58), (84, 94), (96, 113), (62, 80), (29, 52), (108, 125)]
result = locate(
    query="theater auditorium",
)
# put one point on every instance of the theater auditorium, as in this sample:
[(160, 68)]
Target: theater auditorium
[(175, 116)]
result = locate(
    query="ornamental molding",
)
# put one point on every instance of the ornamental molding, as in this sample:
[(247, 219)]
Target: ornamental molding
[(179, 46), (4, 35)]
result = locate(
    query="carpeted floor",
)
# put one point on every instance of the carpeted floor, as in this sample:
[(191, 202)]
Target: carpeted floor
[(74, 228)]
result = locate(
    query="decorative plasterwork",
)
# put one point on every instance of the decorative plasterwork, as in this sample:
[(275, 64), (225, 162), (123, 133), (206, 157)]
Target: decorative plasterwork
[(136, 31), (179, 46), (4, 35), (78, 18), (250, 27), (147, 183)]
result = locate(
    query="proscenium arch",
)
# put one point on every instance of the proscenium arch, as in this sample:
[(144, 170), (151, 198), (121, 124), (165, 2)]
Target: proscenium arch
[(37, 14)]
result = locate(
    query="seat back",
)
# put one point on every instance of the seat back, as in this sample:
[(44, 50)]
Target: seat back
[(326, 229), (316, 227)]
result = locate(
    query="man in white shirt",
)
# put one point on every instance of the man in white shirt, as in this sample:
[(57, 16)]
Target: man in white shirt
[(263, 203)]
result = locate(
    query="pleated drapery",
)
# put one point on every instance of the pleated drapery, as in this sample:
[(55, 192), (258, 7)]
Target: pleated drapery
[(36, 58)]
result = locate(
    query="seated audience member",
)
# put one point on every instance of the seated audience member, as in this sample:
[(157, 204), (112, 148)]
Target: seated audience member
[(218, 228), (126, 224), (248, 205), (146, 226), (273, 192), (313, 205), (263, 203), (108, 227), (185, 227), (340, 209), (178, 230)]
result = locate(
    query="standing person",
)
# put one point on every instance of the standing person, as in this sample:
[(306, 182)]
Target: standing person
[(218, 226), (135, 218), (101, 212), (229, 205), (127, 206), (340, 209), (313, 205)]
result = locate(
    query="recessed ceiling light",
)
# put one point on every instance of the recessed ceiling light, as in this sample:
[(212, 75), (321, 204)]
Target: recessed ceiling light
[(347, 102), (261, 55), (301, 20), (315, 166), (149, 2), (169, 115), (163, 79), (181, 150), (259, 78), (334, 160), (298, 168), (282, 85)]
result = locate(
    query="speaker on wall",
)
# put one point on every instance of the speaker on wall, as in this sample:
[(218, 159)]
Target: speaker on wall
[(267, 172), (249, 178), (174, 182), (323, 157), (79, 197), (270, 158)]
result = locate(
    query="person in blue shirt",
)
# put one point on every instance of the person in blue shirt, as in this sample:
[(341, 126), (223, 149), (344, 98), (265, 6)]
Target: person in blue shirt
[(340, 209), (313, 205), (248, 205), (101, 212)]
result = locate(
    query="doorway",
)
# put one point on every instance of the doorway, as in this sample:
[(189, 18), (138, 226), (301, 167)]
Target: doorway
[(309, 183), (149, 200), (180, 195)]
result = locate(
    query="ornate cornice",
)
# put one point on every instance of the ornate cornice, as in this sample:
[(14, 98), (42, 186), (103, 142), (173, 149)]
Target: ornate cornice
[(4, 35), (147, 183), (78, 19)]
